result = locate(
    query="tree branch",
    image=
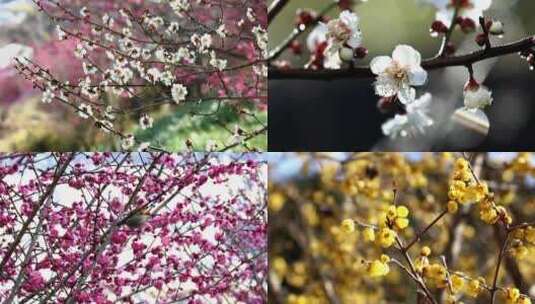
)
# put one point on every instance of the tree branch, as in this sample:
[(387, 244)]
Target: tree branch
[(429, 64), (275, 8)]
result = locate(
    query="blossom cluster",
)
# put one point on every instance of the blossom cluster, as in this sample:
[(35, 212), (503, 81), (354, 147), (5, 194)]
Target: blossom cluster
[(132, 227), (156, 53), (365, 223)]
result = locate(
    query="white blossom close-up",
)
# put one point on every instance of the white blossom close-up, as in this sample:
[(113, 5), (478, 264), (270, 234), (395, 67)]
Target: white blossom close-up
[(396, 74), (179, 92), (415, 121), (477, 96), (344, 31)]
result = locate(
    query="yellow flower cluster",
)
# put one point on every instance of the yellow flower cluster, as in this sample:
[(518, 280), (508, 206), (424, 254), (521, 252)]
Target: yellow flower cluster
[(490, 213), (436, 274), (523, 241), (464, 188), (336, 224), (512, 296)]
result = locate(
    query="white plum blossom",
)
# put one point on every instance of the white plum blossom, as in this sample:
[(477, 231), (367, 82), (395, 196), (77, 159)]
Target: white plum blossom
[(179, 6), (416, 120), (344, 31), (342, 34), (128, 142), (179, 92), (48, 96), (85, 111), (476, 96), (317, 37), (472, 9), (262, 38), (219, 64), (396, 75), (145, 121)]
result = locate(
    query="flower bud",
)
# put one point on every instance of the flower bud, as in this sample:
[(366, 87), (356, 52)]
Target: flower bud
[(305, 17), (467, 25), (496, 28), (360, 52), (438, 27), (346, 54)]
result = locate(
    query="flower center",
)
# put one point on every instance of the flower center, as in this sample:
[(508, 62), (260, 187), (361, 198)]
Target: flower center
[(397, 72), (339, 31)]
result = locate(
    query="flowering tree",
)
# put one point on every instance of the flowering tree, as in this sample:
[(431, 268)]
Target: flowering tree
[(136, 56), (335, 46), (132, 228), (402, 228)]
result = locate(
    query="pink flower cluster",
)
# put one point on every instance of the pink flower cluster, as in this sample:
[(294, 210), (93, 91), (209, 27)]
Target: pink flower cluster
[(63, 237)]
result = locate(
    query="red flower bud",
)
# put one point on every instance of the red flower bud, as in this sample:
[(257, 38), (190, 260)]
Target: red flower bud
[(439, 27), (360, 52)]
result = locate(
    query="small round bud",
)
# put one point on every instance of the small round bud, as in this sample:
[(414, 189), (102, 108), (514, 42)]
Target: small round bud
[(426, 251), (438, 27), (346, 54), (496, 28), (305, 17), (467, 25)]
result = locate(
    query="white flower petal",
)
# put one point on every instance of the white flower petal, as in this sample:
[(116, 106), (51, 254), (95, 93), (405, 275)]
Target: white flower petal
[(406, 94), (406, 56), (317, 36), (380, 64), (385, 86), (417, 76)]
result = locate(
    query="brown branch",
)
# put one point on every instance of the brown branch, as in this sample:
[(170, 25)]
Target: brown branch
[(498, 264), (275, 8), (429, 64), (421, 233)]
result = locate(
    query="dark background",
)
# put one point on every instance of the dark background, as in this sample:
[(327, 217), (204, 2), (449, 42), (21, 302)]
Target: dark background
[(342, 115)]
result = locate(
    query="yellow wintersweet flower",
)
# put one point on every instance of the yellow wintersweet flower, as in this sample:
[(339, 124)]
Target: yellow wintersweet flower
[(377, 268), (457, 283), (474, 287), (397, 216), (511, 295), (386, 237), (368, 234)]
